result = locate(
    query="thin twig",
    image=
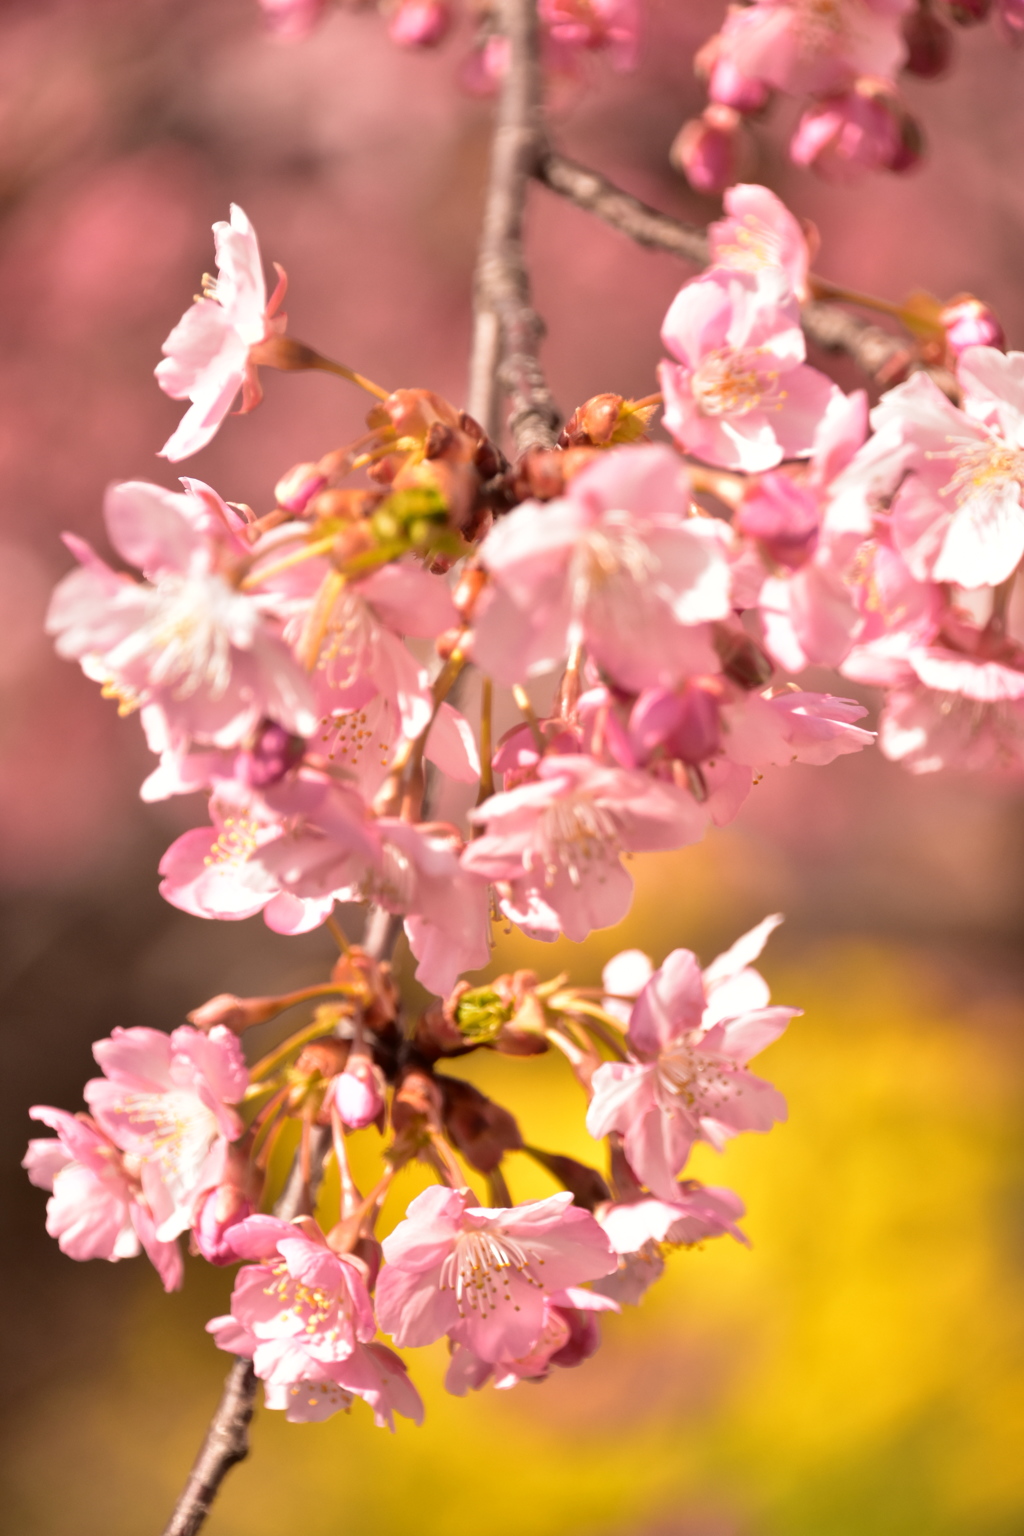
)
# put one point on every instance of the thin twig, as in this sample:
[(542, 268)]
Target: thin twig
[(507, 330), (873, 349)]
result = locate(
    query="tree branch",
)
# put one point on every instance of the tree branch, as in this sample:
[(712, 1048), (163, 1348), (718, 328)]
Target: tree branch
[(833, 329), (507, 330)]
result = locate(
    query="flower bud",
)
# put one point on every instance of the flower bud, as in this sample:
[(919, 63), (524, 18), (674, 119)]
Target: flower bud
[(358, 1092), (970, 323), (929, 44), (685, 725), (1011, 18), (273, 753), (420, 23), (480, 1129), (294, 490), (729, 88), (712, 151), (217, 1212)]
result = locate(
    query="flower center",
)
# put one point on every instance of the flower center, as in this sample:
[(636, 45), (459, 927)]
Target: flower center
[(729, 383), (982, 469), (236, 841), (821, 26), (310, 1305), (576, 832), (178, 1129), (688, 1075), (480, 1267), (189, 631)]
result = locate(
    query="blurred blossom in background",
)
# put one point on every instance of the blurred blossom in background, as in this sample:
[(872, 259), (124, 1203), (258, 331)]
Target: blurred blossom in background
[(862, 1368)]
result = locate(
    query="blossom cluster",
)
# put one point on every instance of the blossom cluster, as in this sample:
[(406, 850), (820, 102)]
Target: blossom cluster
[(570, 31), (842, 59), (299, 668)]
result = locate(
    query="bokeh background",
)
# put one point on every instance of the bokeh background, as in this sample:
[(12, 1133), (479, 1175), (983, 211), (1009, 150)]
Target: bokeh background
[(861, 1368)]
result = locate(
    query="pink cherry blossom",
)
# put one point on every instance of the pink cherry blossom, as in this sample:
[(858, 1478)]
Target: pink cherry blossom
[(569, 1336), (793, 727), (759, 231), (420, 23), (617, 564), (554, 844), (207, 354), (303, 1314), (97, 1209), (593, 25), (844, 136), (691, 1036), (484, 1276), (806, 47), (204, 658), (695, 1212), (958, 514), (739, 393), (167, 1102), (713, 150), (927, 729)]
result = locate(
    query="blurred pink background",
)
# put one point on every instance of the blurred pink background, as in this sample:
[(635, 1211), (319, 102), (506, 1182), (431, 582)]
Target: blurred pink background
[(126, 129)]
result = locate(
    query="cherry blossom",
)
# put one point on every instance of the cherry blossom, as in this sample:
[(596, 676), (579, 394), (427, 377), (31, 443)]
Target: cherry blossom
[(207, 357), (739, 393), (484, 1276), (957, 513), (814, 48), (97, 1209), (759, 231), (206, 659), (167, 1102), (303, 1313), (691, 1036), (554, 844), (695, 1212), (617, 565)]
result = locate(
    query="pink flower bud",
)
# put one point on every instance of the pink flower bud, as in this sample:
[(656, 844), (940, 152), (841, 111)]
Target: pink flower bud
[(273, 753), (217, 1212), (420, 23), (729, 88), (712, 150), (866, 129), (358, 1092), (783, 517), (683, 725), (929, 44), (1011, 18), (295, 489), (292, 18), (970, 323)]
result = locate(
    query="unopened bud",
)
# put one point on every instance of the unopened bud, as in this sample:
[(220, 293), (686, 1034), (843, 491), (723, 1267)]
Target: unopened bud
[(970, 323), (417, 1102), (420, 23), (294, 490), (358, 1092), (729, 88), (217, 1212), (712, 151), (369, 983), (274, 752), (929, 44), (351, 505), (480, 1129)]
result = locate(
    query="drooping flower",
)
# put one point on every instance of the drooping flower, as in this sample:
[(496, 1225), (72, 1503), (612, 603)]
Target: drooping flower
[(97, 1209), (167, 1101), (204, 659), (617, 565), (814, 47), (569, 1336), (691, 1036), (207, 357), (485, 1276), (739, 393), (303, 1313)]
